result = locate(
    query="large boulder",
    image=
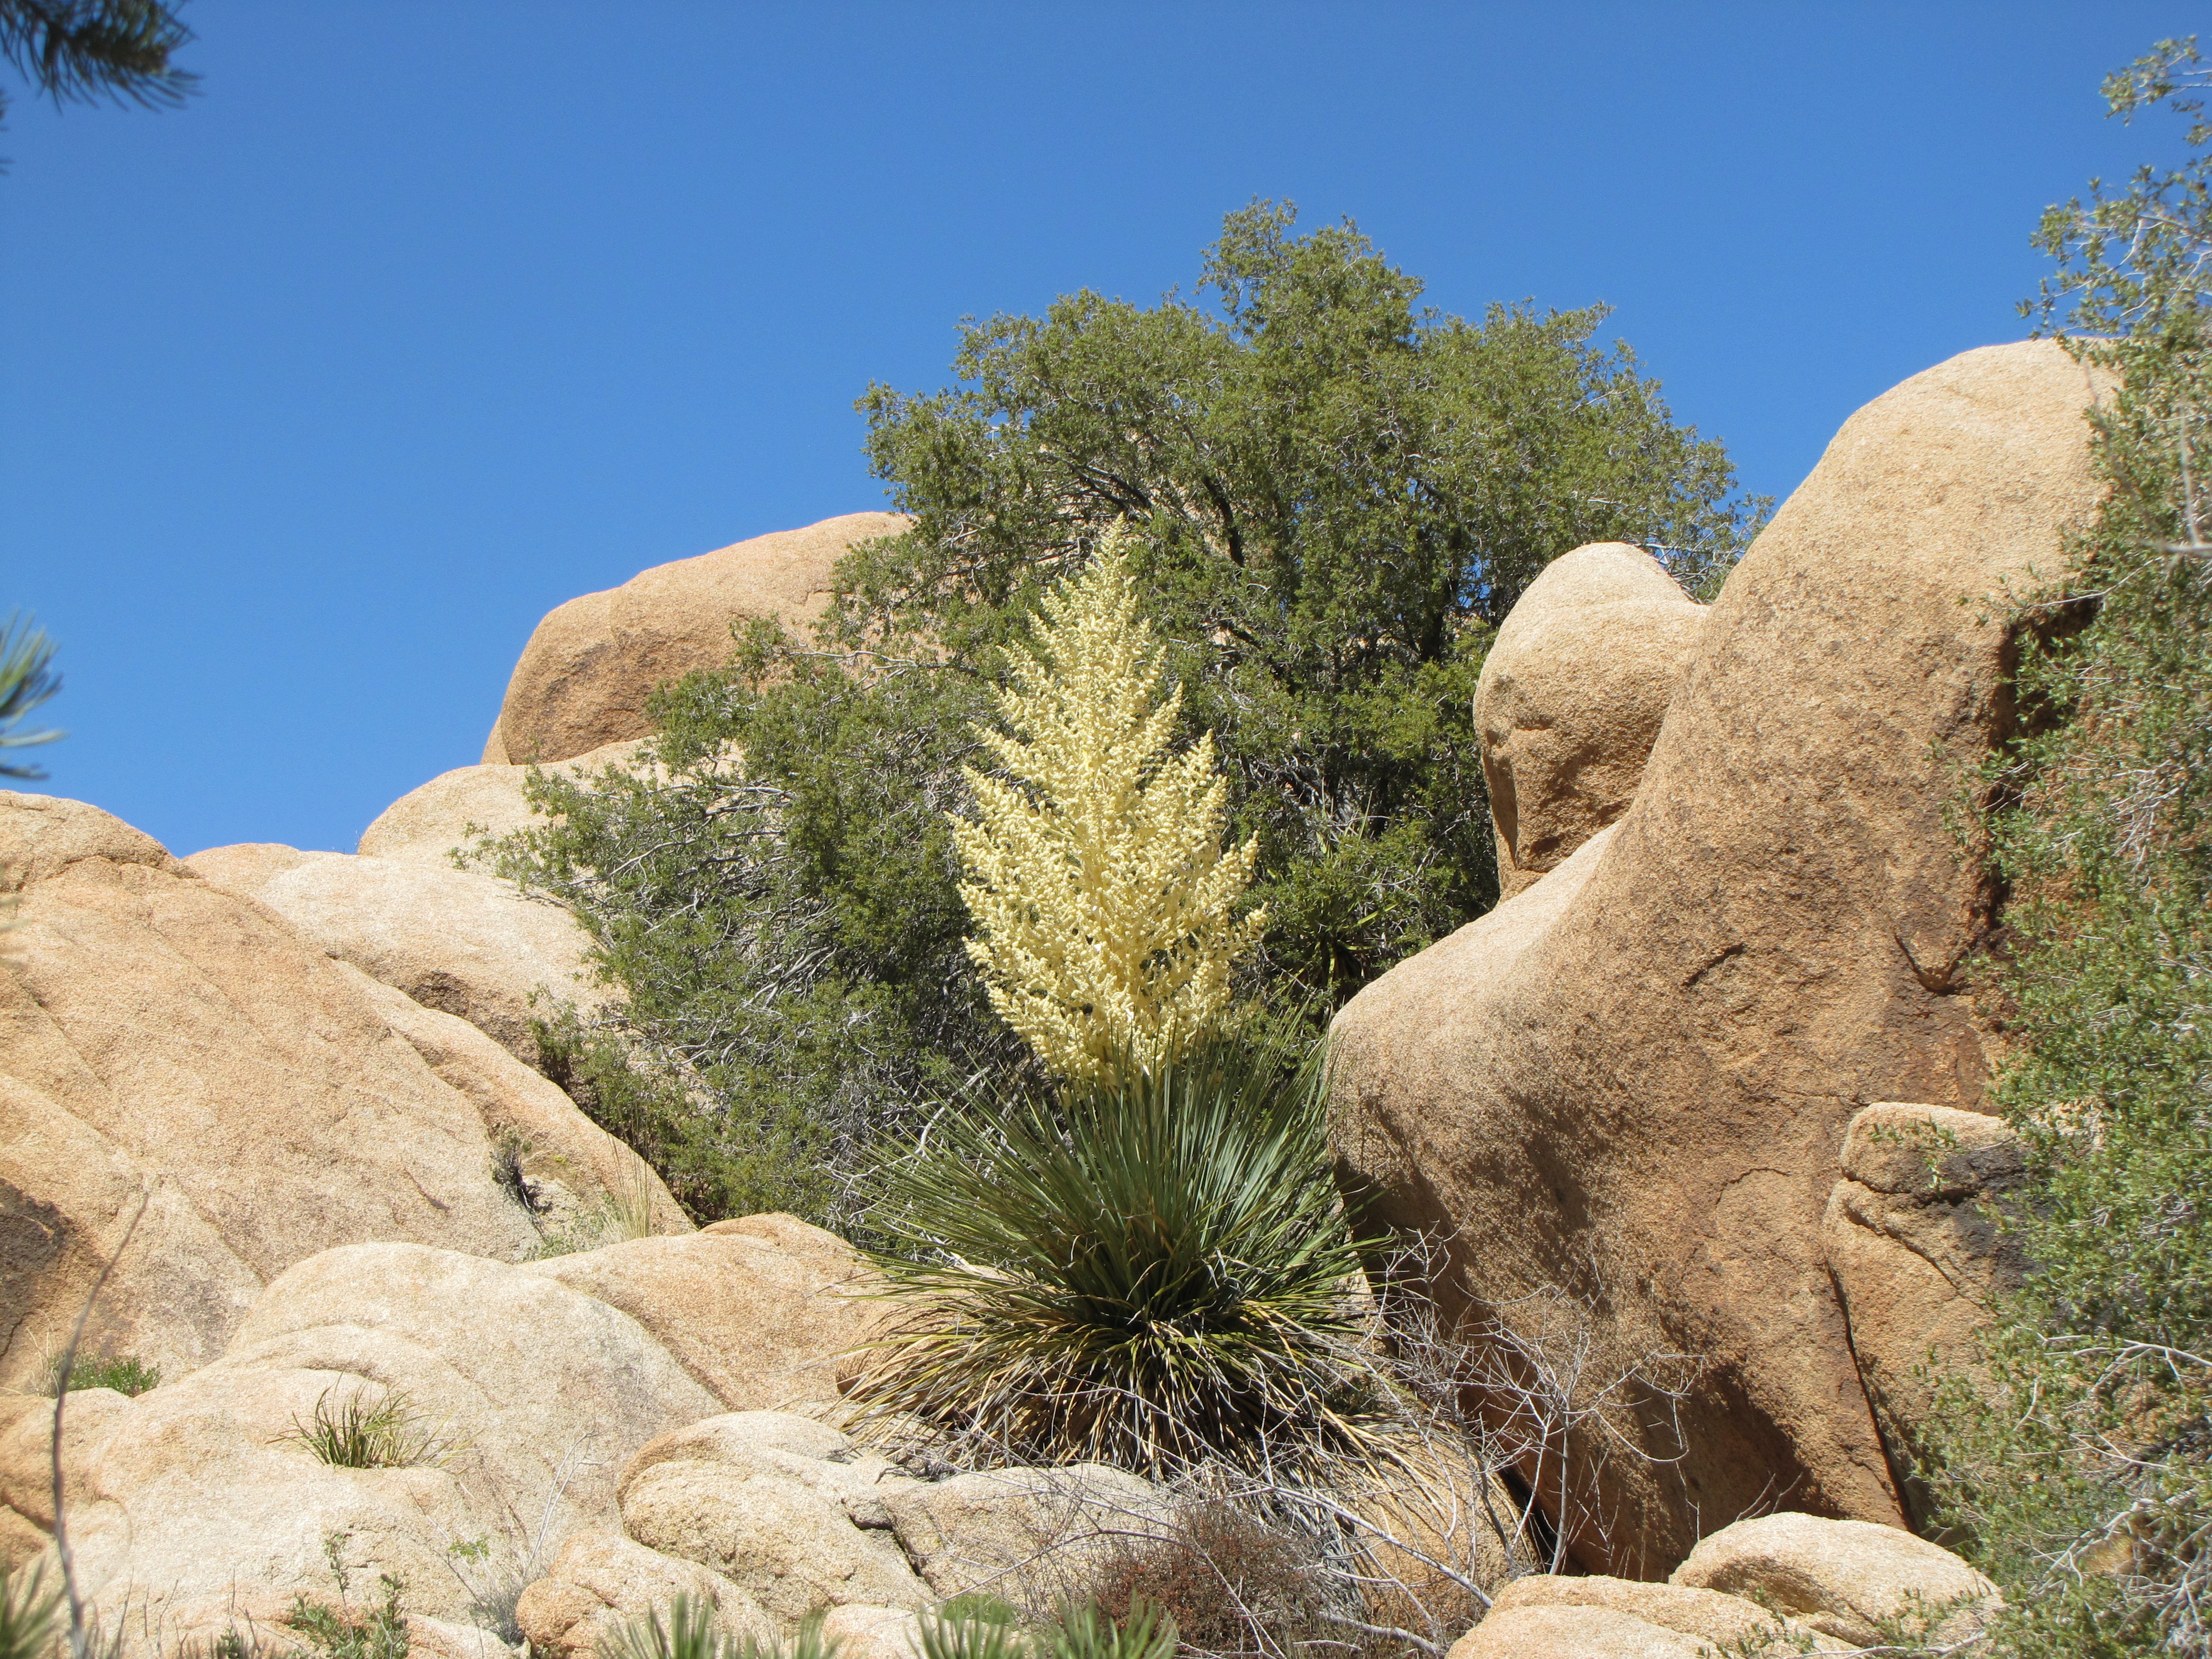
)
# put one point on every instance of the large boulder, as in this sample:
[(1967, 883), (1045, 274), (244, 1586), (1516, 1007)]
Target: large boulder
[(458, 808), (469, 944), (1572, 695), (601, 1581), (756, 1310), (1846, 1579), (1545, 1617), (172, 1048), (1629, 1083), (584, 677), (1913, 1242), (521, 1398)]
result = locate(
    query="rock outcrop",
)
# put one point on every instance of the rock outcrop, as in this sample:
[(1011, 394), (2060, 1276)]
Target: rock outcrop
[(754, 1309), (1913, 1244), (456, 809), (1570, 698), (1631, 1080), (470, 945), (1845, 1579), (583, 679), (600, 1581), (1543, 1617), (520, 1397)]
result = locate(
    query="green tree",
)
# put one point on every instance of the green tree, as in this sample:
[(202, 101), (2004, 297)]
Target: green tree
[(1333, 495), (2080, 1478), (84, 50)]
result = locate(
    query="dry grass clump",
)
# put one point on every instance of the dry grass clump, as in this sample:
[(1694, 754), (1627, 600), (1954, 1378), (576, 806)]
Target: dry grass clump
[(354, 1432)]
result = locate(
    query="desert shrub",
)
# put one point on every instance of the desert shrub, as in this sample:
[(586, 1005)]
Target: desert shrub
[(1143, 1631), (2080, 1475), (351, 1430), (1154, 1272), (1229, 1583), (1336, 495)]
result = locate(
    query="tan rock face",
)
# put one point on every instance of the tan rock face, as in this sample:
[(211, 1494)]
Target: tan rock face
[(1631, 1080), (600, 1580), (1033, 1537), (1571, 699), (784, 1507), (1704, 1615), (428, 824), (1842, 1578), (469, 944), (757, 1322), (584, 676), (532, 1394), (1574, 1633), (163, 1040), (1912, 1242)]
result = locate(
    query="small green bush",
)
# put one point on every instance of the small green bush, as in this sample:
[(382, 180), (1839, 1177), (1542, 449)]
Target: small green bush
[(124, 1374), (353, 1431), (1152, 1275)]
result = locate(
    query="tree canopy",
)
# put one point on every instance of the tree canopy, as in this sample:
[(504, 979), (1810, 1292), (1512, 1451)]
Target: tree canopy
[(84, 50)]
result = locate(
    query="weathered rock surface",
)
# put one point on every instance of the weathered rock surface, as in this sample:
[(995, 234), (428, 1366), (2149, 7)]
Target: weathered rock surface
[(1032, 1537), (1631, 1080), (455, 809), (580, 1181), (1527, 1613), (468, 944), (864, 1632), (1842, 1578), (583, 679), (786, 1508), (1914, 1248), (755, 1309), (1574, 1633), (529, 1394), (601, 1580), (165, 1042), (1570, 698)]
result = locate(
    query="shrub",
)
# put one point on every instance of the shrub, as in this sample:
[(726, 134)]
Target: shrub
[(1150, 1273), (353, 1431), (1229, 1583), (689, 1632), (2078, 1468)]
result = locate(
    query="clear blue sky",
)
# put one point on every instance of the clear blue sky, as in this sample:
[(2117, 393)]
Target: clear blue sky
[(427, 316)]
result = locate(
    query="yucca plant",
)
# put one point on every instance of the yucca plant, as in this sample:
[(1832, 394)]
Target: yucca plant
[(1151, 1272), (689, 1632), (30, 1613)]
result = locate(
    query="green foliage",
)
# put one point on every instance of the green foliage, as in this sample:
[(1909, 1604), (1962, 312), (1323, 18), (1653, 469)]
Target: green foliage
[(30, 1613), (350, 1430), (1084, 1632), (340, 1632), (689, 1632), (978, 1627), (82, 51), (1151, 1273), (1336, 495), (2082, 1478), (27, 680), (125, 1374)]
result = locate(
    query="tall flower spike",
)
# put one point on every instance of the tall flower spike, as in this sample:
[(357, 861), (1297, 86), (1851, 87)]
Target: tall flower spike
[(1103, 899)]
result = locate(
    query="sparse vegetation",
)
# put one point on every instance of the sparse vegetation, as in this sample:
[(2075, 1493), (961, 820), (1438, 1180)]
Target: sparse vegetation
[(30, 1613), (124, 1373), (687, 1632), (350, 1428)]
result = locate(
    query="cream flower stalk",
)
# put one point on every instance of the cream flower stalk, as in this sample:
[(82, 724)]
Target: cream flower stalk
[(1103, 899)]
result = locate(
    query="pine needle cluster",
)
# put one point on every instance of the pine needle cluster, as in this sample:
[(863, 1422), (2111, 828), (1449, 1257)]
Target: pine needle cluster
[(1103, 901)]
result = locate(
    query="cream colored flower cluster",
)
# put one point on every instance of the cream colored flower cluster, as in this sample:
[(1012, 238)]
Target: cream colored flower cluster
[(1104, 902)]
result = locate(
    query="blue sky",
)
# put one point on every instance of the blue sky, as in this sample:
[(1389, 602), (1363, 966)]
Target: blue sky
[(429, 314)]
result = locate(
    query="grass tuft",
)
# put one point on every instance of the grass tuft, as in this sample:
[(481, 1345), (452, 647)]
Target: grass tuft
[(354, 1432), (125, 1375)]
